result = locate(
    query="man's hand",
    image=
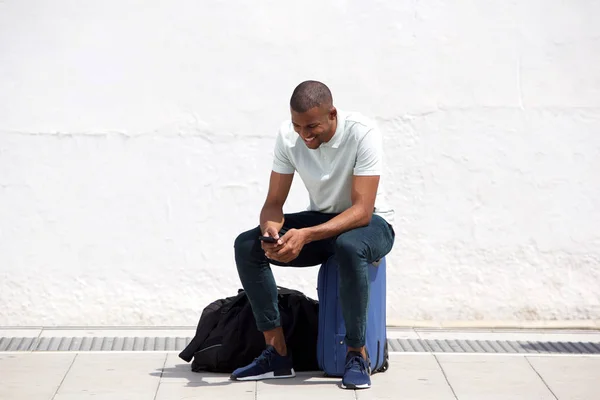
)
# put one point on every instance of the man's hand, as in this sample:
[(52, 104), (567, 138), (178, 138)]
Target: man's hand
[(293, 242), (271, 247)]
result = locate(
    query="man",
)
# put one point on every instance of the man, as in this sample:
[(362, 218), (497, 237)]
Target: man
[(339, 158)]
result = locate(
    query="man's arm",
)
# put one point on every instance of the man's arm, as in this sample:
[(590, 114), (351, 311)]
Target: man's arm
[(271, 215), (364, 192)]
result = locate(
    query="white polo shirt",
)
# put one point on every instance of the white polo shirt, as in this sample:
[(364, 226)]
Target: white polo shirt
[(354, 149)]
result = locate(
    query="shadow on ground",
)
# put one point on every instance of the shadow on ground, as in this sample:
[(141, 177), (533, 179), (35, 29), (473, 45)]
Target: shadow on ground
[(199, 379)]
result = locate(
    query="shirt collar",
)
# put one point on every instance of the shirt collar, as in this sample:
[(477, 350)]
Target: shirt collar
[(336, 140)]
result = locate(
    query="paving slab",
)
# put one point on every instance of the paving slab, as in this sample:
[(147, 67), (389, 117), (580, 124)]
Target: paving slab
[(410, 376), (490, 377), (177, 370), (178, 381), (570, 378), (32, 376), (402, 333), (19, 332), (206, 391), (305, 386), (510, 335), (57, 332), (113, 376)]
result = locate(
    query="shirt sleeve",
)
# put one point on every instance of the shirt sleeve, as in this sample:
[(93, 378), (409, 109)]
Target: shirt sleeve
[(369, 154), (281, 159)]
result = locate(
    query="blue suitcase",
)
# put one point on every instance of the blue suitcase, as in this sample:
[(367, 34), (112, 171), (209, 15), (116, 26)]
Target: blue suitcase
[(331, 349)]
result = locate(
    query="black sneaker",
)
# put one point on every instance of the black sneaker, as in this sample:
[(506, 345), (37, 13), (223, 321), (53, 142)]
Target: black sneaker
[(357, 373), (269, 365)]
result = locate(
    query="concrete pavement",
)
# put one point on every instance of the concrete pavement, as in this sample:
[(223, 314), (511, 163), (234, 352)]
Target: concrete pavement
[(161, 375)]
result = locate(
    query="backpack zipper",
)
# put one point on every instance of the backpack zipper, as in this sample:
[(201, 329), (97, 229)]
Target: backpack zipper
[(209, 347)]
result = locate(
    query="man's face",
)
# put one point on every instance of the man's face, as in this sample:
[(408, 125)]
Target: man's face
[(315, 126)]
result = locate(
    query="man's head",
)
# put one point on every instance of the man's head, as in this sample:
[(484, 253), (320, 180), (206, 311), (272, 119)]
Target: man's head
[(313, 115)]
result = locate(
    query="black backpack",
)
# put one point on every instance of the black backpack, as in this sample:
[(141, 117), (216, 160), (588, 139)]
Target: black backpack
[(227, 337)]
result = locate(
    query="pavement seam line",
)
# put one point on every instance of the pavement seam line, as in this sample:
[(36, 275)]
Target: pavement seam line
[(162, 371), (64, 377), (37, 340), (423, 341), (543, 380), (445, 376)]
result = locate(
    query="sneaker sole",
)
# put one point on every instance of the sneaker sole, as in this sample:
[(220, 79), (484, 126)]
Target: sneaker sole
[(363, 386), (268, 375)]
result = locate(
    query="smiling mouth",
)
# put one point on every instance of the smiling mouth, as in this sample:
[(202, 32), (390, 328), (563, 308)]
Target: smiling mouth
[(308, 140)]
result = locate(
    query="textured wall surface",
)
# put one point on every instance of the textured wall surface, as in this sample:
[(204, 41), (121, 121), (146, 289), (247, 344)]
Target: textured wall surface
[(136, 140)]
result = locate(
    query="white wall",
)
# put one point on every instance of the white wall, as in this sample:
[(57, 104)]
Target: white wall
[(136, 138)]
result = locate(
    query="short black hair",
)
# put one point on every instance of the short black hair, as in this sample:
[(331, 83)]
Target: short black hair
[(310, 94)]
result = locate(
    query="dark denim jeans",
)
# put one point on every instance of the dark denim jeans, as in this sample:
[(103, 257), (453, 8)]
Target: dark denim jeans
[(354, 251)]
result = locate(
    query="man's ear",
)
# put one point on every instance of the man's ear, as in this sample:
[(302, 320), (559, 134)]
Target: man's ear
[(332, 113)]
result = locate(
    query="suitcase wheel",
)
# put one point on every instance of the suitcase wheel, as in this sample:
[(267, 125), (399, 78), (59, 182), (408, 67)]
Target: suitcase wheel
[(386, 357), (384, 366)]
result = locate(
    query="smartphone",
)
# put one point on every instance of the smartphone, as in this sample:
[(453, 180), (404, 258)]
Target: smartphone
[(268, 239)]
